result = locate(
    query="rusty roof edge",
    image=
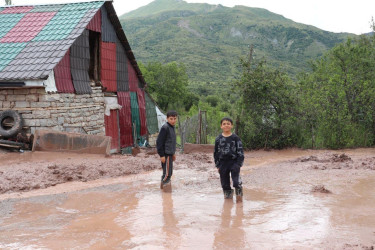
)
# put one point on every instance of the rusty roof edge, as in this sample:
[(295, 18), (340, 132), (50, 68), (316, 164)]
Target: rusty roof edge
[(122, 37)]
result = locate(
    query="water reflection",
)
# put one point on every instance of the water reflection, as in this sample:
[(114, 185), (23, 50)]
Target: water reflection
[(170, 223), (230, 233)]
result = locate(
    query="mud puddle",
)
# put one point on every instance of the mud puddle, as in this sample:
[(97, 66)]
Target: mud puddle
[(280, 209)]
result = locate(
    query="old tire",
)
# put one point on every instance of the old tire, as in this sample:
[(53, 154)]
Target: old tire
[(16, 123)]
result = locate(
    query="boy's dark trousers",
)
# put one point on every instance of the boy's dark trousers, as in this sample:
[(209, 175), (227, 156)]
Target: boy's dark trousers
[(167, 169), (227, 169)]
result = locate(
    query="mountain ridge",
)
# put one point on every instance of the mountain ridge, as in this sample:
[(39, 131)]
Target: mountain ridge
[(210, 39)]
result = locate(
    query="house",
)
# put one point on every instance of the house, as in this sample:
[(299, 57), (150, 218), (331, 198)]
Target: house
[(69, 67)]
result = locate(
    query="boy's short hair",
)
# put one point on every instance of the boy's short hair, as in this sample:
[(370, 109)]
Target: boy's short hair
[(171, 113), (226, 119)]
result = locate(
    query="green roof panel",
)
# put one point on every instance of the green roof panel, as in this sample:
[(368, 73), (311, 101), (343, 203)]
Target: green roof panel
[(63, 23), (46, 8), (60, 25), (8, 21), (9, 51)]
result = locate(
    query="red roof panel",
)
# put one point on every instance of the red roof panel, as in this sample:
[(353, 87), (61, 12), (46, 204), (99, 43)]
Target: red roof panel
[(28, 27), (96, 22), (17, 10)]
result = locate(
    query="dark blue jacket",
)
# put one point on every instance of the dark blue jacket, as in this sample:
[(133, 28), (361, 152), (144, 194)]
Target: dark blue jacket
[(166, 142), (228, 150)]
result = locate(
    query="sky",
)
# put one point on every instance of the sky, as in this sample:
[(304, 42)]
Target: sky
[(353, 16)]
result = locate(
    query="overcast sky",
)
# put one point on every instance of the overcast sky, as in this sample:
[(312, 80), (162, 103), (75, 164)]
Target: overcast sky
[(352, 16)]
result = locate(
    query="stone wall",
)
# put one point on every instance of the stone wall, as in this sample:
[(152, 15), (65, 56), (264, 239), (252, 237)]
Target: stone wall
[(62, 112)]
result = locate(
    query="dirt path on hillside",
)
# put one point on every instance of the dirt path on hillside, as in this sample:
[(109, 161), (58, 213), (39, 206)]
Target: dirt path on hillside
[(293, 199)]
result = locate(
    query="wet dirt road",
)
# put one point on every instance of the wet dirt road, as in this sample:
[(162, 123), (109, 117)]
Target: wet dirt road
[(279, 209)]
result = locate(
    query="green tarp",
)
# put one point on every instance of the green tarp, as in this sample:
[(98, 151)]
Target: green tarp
[(151, 116)]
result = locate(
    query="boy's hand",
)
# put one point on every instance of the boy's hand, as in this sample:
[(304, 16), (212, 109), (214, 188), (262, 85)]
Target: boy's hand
[(174, 157), (162, 159)]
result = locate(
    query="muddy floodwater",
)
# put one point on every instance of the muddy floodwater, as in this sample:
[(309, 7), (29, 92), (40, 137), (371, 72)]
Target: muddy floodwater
[(293, 199)]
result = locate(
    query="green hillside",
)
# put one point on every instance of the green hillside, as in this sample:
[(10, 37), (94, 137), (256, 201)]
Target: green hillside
[(210, 39)]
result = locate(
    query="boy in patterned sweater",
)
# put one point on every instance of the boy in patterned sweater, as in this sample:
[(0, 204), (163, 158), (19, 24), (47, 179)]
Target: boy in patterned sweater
[(229, 157)]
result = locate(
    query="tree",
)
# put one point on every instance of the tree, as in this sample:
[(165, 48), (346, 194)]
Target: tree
[(166, 83), (267, 105), (339, 96)]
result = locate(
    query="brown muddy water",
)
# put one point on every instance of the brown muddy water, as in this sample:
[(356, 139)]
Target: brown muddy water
[(293, 199)]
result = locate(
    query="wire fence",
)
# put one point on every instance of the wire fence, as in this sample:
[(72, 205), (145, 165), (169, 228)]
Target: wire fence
[(194, 129)]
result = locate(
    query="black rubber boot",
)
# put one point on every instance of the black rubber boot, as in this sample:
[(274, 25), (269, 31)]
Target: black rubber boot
[(239, 192), (228, 194)]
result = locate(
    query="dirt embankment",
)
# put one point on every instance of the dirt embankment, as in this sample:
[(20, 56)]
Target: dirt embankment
[(37, 170)]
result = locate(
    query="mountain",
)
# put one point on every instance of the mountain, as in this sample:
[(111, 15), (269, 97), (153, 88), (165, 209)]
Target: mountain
[(210, 39)]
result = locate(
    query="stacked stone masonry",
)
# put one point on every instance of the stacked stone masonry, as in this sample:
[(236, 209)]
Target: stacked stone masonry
[(61, 112)]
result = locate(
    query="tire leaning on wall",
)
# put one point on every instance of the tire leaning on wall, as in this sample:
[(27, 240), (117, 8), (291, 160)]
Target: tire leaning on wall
[(17, 123)]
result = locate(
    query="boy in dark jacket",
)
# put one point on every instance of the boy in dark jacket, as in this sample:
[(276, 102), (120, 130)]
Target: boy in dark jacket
[(166, 147), (229, 157)]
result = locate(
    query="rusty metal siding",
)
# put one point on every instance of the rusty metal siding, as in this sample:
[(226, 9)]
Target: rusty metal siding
[(63, 77), (108, 66), (112, 129), (142, 111), (96, 22), (133, 79), (126, 136), (108, 31), (122, 67), (80, 63)]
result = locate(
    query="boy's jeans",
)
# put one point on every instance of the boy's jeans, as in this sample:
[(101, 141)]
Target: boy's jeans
[(230, 169), (167, 169)]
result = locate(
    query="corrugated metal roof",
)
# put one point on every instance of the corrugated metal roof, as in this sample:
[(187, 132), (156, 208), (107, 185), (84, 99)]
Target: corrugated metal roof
[(21, 32), (46, 8), (39, 29), (126, 136), (80, 27), (96, 22), (122, 68), (133, 79), (9, 51), (8, 21), (34, 61), (142, 111), (151, 116), (80, 63), (108, 32), (108, 66), (16, 9), (44, 33), (63, 77)]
